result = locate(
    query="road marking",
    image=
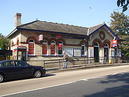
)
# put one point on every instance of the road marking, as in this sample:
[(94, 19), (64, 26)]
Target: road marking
[(58, 84), (84, 79), (37, 89), (50, 86)]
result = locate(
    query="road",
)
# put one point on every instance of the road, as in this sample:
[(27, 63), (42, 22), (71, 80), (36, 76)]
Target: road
[(78, 83)]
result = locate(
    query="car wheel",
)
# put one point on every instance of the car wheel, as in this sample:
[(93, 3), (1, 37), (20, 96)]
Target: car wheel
[(37, 74), (1, 78)]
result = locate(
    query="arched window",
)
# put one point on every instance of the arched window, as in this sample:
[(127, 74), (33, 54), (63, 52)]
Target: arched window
[(106, 45), (53, 47), (96, 44), (44, 47), (31, 47), (60, 48)]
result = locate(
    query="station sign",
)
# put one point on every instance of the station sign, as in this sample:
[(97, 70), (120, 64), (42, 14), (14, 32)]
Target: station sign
[(114, 43)]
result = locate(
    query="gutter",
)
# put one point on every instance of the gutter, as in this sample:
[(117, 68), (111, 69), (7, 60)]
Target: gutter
[(9, 35)]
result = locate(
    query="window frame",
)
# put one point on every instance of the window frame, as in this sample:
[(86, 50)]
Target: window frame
[(45, 42), (30, 42), (53, 42), (60, 42)]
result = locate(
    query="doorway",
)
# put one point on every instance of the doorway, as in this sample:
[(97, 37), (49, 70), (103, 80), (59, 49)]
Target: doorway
[(106, 52), (96, 52)]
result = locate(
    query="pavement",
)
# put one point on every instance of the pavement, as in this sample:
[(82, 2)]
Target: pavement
[(57, 79)]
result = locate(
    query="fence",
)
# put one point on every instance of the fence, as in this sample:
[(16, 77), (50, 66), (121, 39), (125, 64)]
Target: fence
[(76, 62)]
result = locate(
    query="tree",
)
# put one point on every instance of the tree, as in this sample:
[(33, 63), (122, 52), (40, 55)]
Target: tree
[(120, 23), (4, 42), (124, 46), (123, 3)]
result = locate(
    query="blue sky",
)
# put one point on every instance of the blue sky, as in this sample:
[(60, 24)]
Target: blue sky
[(75, 12)]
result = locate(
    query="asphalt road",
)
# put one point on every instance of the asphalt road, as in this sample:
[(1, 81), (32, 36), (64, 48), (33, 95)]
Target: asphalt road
[(78, 83), (108, 86)]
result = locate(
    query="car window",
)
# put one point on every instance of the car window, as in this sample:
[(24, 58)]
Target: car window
[(20, 63), (8, 64)]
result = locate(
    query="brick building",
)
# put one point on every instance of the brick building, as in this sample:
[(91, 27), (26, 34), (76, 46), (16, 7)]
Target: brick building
[(41, 40)]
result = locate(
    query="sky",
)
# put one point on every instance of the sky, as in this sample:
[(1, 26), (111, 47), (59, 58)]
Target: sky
[(84, 13)]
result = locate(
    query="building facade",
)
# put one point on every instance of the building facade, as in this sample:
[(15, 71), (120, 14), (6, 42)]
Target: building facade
[(41, 40)]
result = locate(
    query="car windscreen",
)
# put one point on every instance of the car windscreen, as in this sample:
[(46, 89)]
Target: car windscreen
[(20, 63)]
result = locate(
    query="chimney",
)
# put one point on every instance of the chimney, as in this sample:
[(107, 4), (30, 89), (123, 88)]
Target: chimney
[(18, 19)]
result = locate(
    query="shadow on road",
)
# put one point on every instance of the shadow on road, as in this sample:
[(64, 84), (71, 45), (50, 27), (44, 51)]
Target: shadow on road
[(18, 79), (49, 74), (124, 77), (118, 91)]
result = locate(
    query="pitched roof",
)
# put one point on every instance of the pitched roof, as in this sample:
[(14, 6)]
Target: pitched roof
[(54, 27), (94, 28)]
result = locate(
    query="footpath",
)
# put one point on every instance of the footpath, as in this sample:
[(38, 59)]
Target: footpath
[(84, 66)]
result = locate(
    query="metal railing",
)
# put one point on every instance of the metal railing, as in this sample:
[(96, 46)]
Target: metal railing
[(77, 62)]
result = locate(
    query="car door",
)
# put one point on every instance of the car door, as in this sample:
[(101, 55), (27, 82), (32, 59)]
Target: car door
[(25, 70), (9, 70)]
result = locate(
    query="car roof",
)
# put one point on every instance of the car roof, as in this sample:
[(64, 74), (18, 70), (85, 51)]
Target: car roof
[(7, 61)]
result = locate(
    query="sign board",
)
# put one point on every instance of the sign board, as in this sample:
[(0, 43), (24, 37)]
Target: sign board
[(114, 43), (40, 37), (69, 51), (77, 52), (58, 36)]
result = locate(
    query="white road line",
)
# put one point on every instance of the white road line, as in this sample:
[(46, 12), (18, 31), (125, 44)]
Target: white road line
[(49, 87), (60, 84), (37, 89), (84, 80)]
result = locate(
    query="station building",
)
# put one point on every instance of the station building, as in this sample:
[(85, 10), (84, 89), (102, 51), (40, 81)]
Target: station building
[(41, 40)]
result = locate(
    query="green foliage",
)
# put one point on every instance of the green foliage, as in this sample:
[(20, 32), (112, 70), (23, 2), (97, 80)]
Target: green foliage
[(4, 42), (123, 3), (120, 23), (124, 46)]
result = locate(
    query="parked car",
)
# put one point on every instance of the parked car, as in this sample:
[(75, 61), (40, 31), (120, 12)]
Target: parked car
[(14, 69)]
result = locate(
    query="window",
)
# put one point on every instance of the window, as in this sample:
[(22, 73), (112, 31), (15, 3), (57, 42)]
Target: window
[(60, 48), (53, 47), (21, 64), (44, 47), (96, 44), (12, 43), (106, 45), (8, 64), (17, 41), (83, 50), (31, 47)]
